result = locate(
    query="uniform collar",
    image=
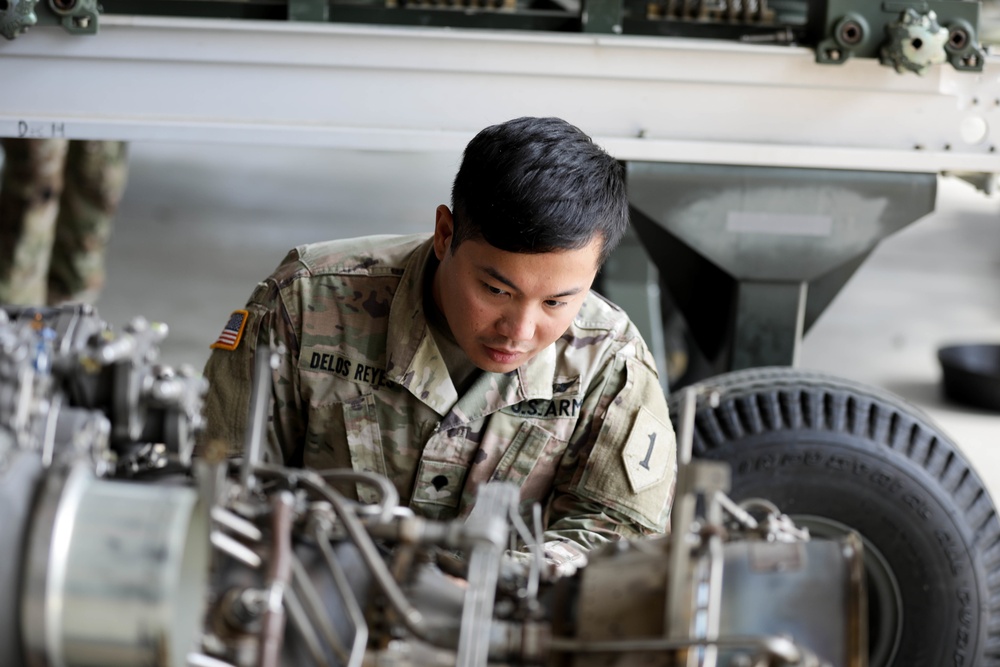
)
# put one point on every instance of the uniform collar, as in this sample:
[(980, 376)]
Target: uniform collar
[(413, 360)]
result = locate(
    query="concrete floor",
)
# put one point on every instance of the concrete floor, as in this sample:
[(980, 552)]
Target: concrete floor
[(199, 225)]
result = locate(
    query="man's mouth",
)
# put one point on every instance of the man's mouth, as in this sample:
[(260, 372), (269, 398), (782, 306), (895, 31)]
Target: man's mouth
[(502, 355)]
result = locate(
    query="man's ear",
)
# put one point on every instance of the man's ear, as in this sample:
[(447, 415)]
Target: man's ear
[(444, 231)]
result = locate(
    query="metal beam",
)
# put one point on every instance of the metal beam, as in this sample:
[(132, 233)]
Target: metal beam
[(426, 89)]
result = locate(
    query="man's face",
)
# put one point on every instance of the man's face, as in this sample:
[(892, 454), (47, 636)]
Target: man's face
[(505, 307)]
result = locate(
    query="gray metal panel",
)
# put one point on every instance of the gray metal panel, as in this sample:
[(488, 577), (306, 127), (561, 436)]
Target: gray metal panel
[(778, 224), (739, 247)]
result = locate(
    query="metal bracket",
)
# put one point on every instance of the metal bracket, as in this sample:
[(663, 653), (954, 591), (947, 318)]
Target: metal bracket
[(78, 17), (308, 10), (602, 16), (904, 35)]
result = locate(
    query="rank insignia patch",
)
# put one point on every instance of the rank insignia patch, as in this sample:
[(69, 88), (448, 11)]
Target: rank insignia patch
[(232, 332)]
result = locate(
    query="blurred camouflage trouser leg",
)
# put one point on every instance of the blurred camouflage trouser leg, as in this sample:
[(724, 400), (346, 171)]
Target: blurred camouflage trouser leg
[(30, 188), (95, 176)]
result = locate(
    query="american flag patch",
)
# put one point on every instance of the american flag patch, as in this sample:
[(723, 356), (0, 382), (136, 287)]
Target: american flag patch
[(232, 332)]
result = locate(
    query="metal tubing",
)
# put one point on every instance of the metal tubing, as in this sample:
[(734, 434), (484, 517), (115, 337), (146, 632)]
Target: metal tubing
[(534, 544), (714, 610), (678, 601), (685, 433), (411, 616), (297, 615), (236, 523), (737, 512), (279, 575), (201, 660), (260, 393), (234, 549), (388, 493), (536, 563), (314, 606), (353, 608), (780, 648)]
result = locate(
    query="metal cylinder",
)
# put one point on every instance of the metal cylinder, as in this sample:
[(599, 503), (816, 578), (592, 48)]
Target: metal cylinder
[(20, 473), (116, 573)]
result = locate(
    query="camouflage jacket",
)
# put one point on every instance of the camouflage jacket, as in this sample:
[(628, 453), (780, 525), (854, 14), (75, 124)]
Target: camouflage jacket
[(582, 427)]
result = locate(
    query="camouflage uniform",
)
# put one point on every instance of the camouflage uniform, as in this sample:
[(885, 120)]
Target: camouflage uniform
[(582, 427), (57, 202)]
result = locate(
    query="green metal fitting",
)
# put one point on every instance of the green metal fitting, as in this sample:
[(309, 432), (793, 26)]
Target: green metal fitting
[(16, 16), (910, 36), (79, 17), (916, 41)]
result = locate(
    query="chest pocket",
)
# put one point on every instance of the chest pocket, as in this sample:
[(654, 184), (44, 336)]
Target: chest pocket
[(364, 440), (523, 454), (531, 462)]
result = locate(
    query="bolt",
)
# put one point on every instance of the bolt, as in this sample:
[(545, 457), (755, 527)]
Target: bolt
[(851, 33), (958, 39)]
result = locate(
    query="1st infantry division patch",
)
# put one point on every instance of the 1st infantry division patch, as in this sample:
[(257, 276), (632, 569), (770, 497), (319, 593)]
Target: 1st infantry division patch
[(231, 334), (650, 451)]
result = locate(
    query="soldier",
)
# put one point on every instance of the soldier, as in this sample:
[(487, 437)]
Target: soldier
[(474, 354), (57, 202)]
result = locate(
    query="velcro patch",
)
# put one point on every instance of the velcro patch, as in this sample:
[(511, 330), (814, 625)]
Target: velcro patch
[(544, 408), (231, 334), (439, 483), (649, 452), (333, 361)]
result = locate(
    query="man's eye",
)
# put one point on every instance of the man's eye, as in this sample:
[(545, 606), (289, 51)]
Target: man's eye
[(495, 291), (552, 303)]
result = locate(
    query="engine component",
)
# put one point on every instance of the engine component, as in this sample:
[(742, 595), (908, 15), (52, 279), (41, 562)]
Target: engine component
[(916, 41), (114, 572), (131, 554), (16, 16), (111, 572), (910, 37), (839, 456), (904, 35), (76, 16)]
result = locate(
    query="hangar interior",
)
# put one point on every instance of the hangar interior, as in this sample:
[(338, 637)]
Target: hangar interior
[(890, 552)]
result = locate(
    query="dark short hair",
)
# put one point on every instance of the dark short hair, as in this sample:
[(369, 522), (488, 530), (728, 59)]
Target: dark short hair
[(536, 185)]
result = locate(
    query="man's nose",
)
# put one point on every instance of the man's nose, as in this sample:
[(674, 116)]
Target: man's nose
[(517, 324)]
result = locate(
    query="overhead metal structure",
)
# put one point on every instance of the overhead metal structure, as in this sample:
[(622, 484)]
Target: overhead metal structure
[(403, 88)]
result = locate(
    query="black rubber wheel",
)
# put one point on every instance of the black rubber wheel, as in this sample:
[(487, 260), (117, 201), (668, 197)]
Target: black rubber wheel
[(838, 455)]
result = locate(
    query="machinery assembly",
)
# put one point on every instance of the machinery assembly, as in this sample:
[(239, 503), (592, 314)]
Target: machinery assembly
[(910, 36), (769, 147), (125, 550)]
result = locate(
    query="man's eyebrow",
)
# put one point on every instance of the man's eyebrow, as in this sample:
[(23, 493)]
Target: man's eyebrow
[(499, 277)]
